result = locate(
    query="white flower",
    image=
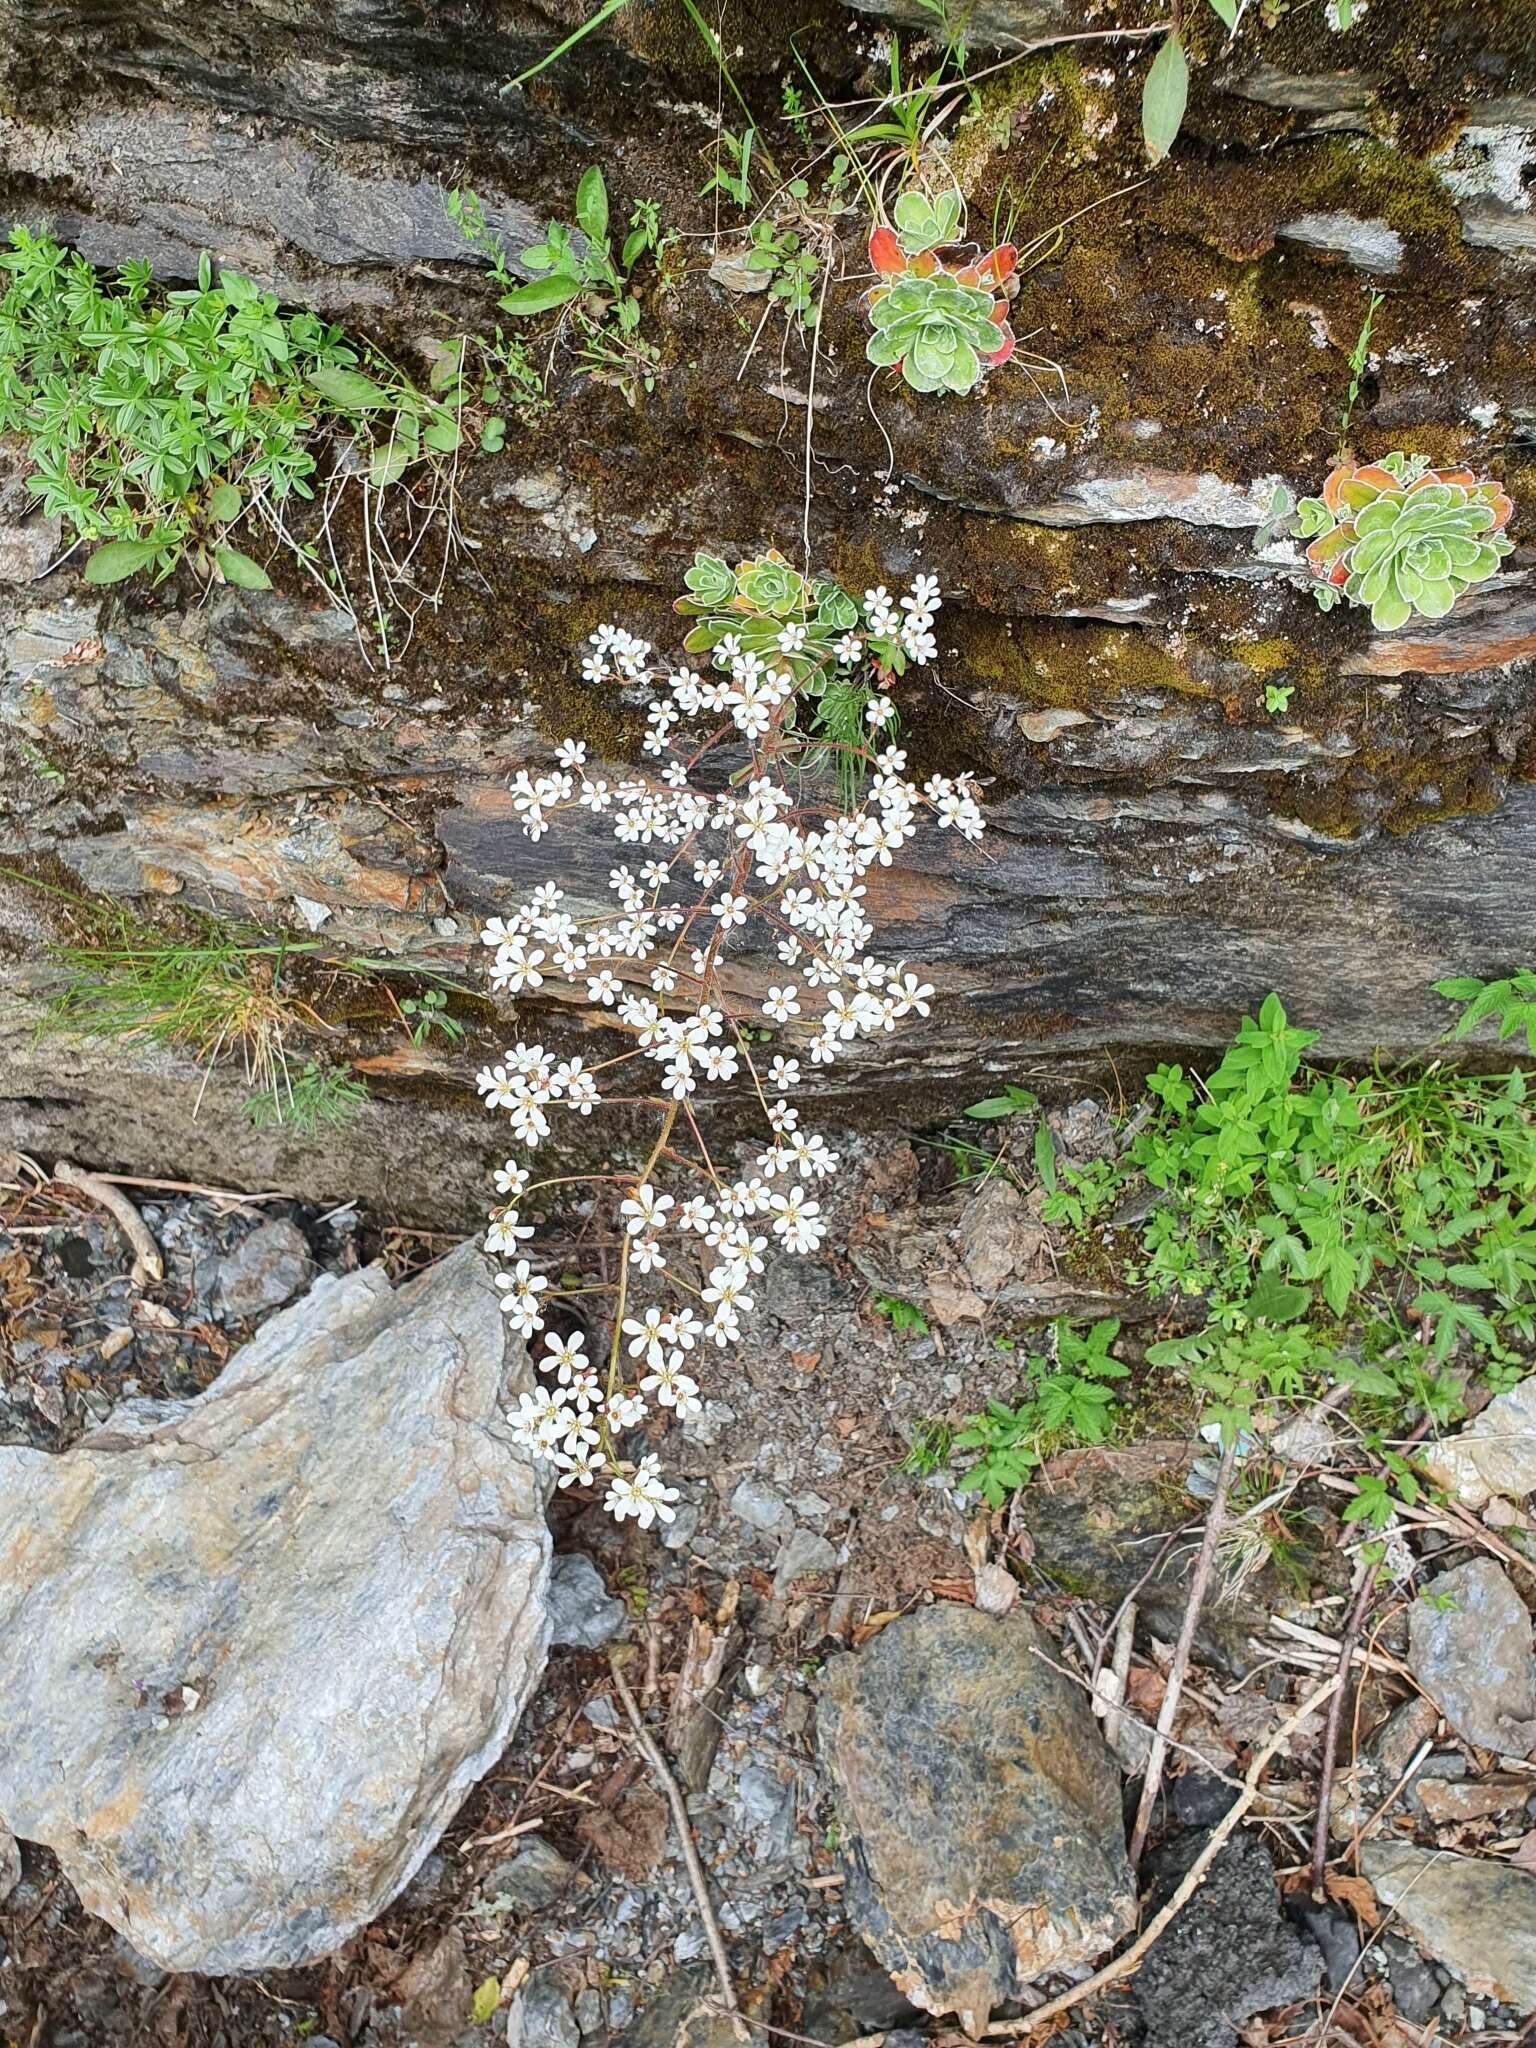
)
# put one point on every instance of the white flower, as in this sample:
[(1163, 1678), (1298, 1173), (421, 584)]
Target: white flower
[(646, 1210), (625, 1410), (643, 1495), (849, 649), (506, 1232), (647, 1335), (579, 1467), (780, 1004), (783, 1073), (797, 1221), (879, 711), (567, 1355), (604, 987), (572, 754), (730, 910), (646, 1255)]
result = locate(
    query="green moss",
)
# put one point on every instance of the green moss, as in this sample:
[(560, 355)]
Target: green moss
[(1046, 98), (1366, 178), (1265, 657)]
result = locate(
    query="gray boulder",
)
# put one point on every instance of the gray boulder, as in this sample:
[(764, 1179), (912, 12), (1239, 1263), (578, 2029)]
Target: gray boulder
[(980, 1807), (1469, 1647), (255, 1647)]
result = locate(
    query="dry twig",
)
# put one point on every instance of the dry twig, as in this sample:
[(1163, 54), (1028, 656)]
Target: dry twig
[(1331, 1731), (147, 1263), (651, 1751), (1124, 1965), (1181, 1654)]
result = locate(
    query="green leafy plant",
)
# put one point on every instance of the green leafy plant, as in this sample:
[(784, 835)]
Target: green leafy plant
[(905, 1317), (427, 1013), (588, 283), (309, 1101), (1071, 1401), (150, 420), (1277, 697), (1165, 90), (792, 263), (1315, 1231), (732, 172), (1401, 538), (157, 423), (1511, 1000), (930, 1449)]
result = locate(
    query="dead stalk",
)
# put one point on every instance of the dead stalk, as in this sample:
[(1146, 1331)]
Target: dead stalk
[(650, 1749), (1181, 1655), (147, 1263)]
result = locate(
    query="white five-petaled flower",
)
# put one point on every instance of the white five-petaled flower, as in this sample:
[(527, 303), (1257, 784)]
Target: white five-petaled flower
[(642, 1495)]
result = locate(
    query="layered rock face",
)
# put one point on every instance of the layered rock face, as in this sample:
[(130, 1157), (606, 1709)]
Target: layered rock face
[(1166, 846)]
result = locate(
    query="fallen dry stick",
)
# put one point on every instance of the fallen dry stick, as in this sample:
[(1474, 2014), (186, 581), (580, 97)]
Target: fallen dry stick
[(147, 1264), (1181, 1654), (1124, 1965), (651, 1751)]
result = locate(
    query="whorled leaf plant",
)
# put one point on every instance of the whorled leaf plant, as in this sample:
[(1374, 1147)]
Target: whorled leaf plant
[(942, 327), (1403, 538)]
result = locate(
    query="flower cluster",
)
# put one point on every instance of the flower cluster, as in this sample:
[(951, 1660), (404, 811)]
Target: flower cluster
[(731, 854)]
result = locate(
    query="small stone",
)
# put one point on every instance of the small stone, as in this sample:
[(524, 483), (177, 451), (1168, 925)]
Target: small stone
[(1044, 726), (540, 2016), (10, 1864), (803, 1556), (1415, 1987), (1473, 1913), (1368, 244), (532, 1879), (758, 1505), (1494, 1453), (982, 1832), (583, 1614), (683, 1527), (1469, 1647), (1333, 1930), (263, 1271), (767, 1806), (1228, 1956), (1199, 1799), (731, 270), (27, 548)]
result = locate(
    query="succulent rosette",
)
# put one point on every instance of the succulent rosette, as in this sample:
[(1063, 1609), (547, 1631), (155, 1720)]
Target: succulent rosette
[(943, 327), (1403, 538)]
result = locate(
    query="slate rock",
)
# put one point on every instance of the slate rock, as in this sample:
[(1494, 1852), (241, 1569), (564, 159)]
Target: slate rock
[(1474, 1914), (1229, 1955), (1333, 1931), (256, 1646), (1494, 1453), (1469, 1647), (583, 1614), (263, 1271), (532, 1879), (1415, 1987), (540, 2016), (983, 1838), (1367, 244)]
